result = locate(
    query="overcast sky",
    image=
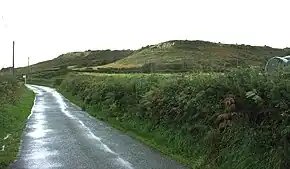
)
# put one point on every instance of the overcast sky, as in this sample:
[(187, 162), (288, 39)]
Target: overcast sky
[(44, 29)]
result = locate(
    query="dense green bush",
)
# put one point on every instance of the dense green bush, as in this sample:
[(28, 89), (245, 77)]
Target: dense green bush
[(183, 112), (8, 90)]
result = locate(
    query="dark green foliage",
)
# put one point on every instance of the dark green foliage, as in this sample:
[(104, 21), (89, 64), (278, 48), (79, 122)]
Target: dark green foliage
[(48, 74), (8, 90), (48, 77), (41, 82), (287, 52), (179, 112)]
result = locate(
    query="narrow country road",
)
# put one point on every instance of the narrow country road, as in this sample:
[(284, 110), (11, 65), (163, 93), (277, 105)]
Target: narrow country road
[(59, 135)]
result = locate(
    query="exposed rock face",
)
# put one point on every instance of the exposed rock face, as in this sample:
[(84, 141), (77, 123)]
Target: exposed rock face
[(165, 45)]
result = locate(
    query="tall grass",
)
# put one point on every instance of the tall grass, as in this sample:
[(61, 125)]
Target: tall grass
[(15, 105)]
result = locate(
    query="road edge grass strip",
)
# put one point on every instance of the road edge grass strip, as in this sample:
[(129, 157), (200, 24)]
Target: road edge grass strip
[(15, 126), (127, 128)]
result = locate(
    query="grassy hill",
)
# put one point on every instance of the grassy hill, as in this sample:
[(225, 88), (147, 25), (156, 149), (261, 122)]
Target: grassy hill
[(78, 59), (180, 55), (170, 56)]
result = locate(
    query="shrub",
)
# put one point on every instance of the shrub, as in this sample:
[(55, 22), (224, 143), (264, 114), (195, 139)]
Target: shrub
[(8, 90)]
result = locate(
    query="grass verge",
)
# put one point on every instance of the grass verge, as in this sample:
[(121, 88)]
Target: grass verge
[(13, 119)]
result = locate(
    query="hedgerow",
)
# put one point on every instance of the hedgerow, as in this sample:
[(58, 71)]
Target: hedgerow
[(236, 120)]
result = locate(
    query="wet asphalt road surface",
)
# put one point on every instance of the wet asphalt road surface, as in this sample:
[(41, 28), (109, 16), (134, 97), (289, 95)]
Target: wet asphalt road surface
[(59, 135)]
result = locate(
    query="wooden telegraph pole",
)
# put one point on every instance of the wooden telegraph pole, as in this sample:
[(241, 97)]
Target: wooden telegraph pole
[(13, 61), (28, 69)]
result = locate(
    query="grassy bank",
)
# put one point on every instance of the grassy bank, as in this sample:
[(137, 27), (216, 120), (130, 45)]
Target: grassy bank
[(235, 121), (15, 106)]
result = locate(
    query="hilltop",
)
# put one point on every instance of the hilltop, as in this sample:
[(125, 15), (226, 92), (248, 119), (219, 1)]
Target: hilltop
[(186, 55)]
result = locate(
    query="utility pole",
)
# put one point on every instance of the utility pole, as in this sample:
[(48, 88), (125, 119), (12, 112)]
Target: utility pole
[(13, 60), (28, 68)]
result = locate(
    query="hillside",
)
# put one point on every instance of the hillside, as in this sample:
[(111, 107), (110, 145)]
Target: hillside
[(170, 56), (78, 59), (195, 55)]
